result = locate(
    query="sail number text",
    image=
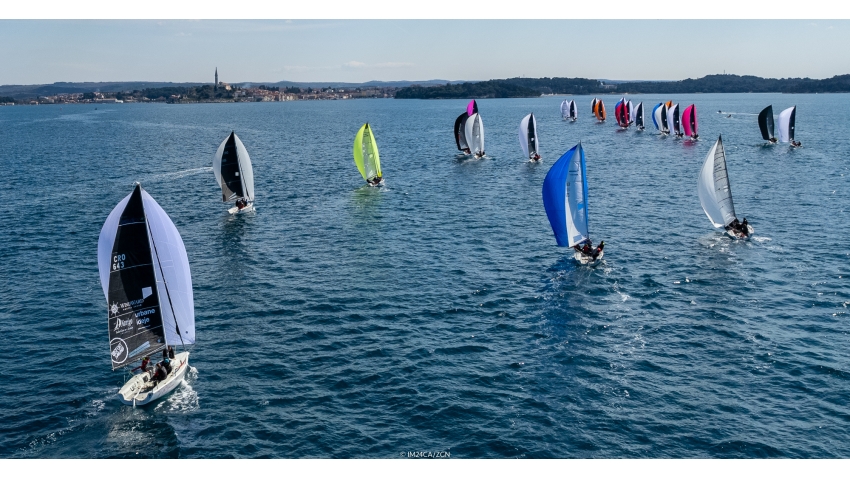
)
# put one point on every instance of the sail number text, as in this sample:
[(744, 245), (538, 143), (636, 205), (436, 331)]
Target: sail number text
[(118, 261)]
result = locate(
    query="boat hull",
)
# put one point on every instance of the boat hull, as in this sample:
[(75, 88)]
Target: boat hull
[(236, 210), (733, 235), (585, 259), (136, 392)]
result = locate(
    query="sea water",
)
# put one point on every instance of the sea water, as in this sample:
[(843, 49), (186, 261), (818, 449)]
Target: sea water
[(435, 313)]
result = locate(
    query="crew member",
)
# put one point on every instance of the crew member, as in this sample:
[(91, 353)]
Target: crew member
[(598, 250), (144, 366)]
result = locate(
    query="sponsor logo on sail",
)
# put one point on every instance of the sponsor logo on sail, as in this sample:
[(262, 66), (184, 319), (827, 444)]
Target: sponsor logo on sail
[(114, 308), (122, 325), (119, 350), (146, 292)]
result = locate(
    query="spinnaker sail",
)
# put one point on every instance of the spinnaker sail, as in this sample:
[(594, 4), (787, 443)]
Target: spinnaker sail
[(528, 136), (715, 194), (599, 110), (689, 121), (565, 109), (145, 276), (233, 170), (766, 124), (472, 108), (673, 120), (475, 134), (787, 120), (565, 198), (460, 131), (366, 155), (573, 110), (593, 106), (637, 116), (659, 117), (621, 113)]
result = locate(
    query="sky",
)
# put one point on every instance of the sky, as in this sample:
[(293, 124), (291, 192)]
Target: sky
[(47, 51)]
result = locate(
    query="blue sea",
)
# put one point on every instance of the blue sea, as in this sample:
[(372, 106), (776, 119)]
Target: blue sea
[(436, 313)]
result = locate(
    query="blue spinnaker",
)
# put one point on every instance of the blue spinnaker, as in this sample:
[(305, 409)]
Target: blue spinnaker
[(565, 198)]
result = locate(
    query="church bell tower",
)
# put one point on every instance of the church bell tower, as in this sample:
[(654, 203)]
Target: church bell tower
[(215, 85)]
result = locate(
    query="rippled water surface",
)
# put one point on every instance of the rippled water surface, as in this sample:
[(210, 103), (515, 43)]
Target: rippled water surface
[(435, 313)]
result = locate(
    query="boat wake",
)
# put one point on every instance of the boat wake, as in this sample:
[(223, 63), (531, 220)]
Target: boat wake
[(184, 398), (177, 174)]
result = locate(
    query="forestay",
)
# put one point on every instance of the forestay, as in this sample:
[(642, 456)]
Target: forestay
[(366, 156), (528, 136), (565, 198), (145, 277), (786, 124), (715, 194), (233, 170)]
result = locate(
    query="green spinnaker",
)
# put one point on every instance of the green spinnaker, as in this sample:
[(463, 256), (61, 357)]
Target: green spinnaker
[(366, 156)]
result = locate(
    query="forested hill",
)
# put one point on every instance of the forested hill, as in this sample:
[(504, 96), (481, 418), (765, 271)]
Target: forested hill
[(529, 87)]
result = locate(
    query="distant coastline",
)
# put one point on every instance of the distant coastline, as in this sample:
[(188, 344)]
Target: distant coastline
[(220, 92)]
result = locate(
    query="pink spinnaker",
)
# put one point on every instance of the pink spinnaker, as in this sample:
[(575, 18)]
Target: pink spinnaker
[(472, 108), (689, 120)]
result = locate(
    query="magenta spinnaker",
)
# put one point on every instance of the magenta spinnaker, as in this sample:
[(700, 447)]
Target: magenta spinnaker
[(472, 108), (689, 120)]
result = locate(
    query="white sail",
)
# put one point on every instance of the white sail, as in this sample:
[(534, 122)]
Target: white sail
[(573, 110), (660, 116), (528, 135), (523, 134), (672, 118), (243, 173), (565, 109), (715, 194), (475, 134), (786, 124), (631, 112)]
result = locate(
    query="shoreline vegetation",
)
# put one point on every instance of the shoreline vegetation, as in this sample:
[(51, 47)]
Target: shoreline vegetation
[(503, 88)]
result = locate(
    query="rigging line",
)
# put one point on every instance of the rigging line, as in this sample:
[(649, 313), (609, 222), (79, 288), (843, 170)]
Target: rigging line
[(167, 294)]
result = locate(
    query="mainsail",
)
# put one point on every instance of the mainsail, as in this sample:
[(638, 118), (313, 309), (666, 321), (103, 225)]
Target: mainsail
[(565, 198), (144, 273), (715, 194), (471, 108), (460, 133), (673, 119), (689, 120), (766, 123), (366, 156), (528, 136), (475, 134), (233, 171), (786, 124)]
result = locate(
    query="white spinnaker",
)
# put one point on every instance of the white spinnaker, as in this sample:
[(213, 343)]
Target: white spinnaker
[(575, 201), (246, 171), (475, 133), (657, 114), (715, 195), (565, 109), (671, 113), (786, 133), (170, 260), (523, 134), (246, 168), (106, 242), (631, 112)]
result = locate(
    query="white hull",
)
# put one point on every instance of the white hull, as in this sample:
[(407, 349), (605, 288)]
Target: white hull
[(586, 259), (137, 392), (236, 210)]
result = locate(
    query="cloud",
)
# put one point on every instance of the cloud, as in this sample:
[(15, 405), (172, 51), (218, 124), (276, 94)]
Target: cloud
[(354, 64)]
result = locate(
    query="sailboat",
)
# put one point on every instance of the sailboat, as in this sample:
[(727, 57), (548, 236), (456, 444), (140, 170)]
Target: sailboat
[(630, 109), (593, 106), (673, 120), (715, 194), (475, 135), (528, 137), (233, 172), (366, 156), (569, 110), (766, 124), (565, 201), (637, 116), (659, 118), (621, 113), (144, 273), (460, 133), (689, 121), (787, 120), (599, 111)]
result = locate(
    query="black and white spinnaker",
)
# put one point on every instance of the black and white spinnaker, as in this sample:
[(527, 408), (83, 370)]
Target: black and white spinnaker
[(528, 137), (715, 194)]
